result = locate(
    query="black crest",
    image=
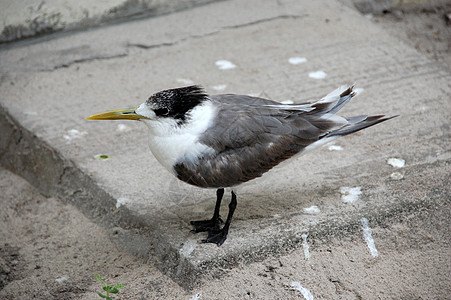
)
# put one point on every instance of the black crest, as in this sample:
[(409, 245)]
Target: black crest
[(177, 102)]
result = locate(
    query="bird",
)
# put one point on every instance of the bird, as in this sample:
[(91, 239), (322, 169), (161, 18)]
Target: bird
[(222, 141)]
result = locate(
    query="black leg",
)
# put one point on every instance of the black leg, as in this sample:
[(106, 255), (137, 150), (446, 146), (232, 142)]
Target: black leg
[(218, 236), (219, 195), (213, 223)]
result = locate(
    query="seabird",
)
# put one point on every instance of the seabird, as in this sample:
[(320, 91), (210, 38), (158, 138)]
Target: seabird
[(222, 141)]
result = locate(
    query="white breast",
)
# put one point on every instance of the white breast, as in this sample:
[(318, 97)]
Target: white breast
[(170, 143)]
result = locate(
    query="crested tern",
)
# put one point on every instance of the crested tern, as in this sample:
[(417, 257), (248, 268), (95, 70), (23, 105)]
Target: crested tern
[(222, 141)]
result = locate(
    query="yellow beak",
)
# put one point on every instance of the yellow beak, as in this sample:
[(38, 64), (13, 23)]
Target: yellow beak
[(126, 113)]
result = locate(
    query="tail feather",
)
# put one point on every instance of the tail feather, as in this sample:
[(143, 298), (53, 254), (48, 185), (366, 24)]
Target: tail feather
[(331, 104), (333, 126), (357, 123), (334, 101), (321, 114)]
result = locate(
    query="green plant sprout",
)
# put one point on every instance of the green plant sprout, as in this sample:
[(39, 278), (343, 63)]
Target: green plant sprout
[(109, 289)]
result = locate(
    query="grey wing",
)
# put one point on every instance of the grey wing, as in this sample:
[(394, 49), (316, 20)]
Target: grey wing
[(252, 135), (250, 139)]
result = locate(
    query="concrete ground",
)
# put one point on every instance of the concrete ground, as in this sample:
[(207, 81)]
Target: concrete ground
[(23, 19), (110, 216), (49, 250)]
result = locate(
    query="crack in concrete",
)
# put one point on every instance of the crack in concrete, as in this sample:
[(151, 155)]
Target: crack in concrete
[(144, 46), (264, 20), (340, 288), (82, 60), (62, 174), (214, 32)]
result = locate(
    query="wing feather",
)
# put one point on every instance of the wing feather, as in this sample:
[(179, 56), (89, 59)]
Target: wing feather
[(251, 135)]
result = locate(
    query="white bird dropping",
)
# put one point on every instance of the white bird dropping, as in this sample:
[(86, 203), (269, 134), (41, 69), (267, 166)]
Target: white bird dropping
[(121, 201), (122, 127), (396, 176), (185, 81), (305, 246), (297, 60), (74, 134), (317, 75), (187, 249), (219, 87), (368, 238), (335, 148), (350, 194), (196, 296), (396, 162), (312, 210), (225, 65), (62, 278), (305, 292), (184, 252)]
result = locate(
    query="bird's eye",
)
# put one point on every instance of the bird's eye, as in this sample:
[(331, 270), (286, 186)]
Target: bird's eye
[(161, 112)]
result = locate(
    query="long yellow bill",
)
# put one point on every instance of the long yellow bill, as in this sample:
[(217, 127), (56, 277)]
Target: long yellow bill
[(126, 113)]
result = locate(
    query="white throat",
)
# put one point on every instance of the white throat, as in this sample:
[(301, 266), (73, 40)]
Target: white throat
[(171, 143)]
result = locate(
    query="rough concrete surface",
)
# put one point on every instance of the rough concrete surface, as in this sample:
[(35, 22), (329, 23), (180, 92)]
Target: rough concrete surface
[(49, 250), (424, 25), (48, 88), (23, 19)]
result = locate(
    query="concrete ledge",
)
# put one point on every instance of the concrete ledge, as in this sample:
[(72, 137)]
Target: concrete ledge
[(378, 7), (22, 20)]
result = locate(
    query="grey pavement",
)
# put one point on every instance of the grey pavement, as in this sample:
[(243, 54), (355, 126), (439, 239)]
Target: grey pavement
[(48, 88), (23, 19)]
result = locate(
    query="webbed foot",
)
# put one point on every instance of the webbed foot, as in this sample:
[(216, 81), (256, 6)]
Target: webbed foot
[(216, 236)]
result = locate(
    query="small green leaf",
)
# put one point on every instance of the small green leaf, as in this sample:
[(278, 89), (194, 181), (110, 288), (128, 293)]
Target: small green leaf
[(107, 288), (109, 298), (102, 295), (114, 290), (99, 278), (118, 285)]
